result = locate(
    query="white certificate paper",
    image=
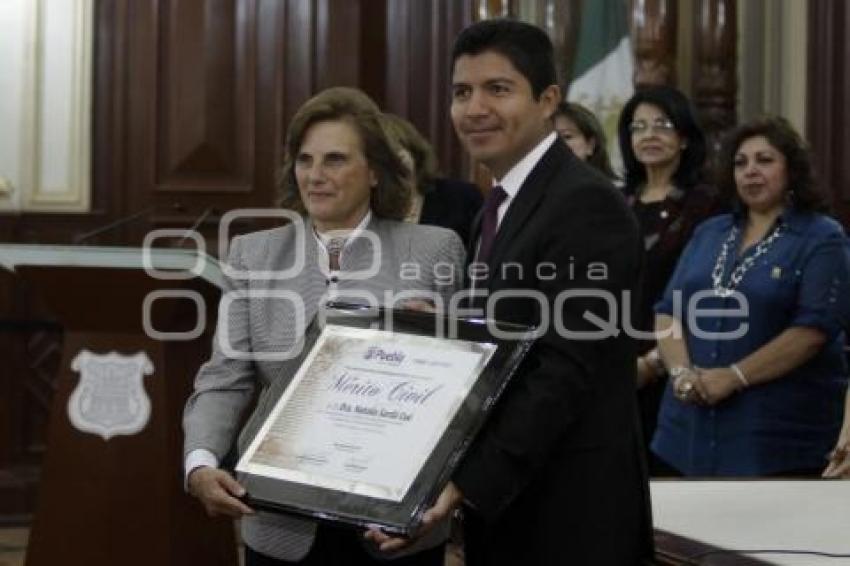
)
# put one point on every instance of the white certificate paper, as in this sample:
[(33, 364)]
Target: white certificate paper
[(365, 410)]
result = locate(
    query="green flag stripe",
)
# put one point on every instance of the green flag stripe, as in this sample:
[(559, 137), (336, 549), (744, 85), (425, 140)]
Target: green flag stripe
[(603, 26)]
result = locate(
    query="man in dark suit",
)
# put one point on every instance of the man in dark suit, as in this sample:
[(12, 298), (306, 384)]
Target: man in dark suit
[(556, 475)]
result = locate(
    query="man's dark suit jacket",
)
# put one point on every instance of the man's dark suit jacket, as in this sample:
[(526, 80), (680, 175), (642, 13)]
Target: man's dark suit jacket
[(451, 204), (556, 475)]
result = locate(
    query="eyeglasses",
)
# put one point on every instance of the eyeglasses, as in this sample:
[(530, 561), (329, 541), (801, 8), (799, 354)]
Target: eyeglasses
[(661, 125)]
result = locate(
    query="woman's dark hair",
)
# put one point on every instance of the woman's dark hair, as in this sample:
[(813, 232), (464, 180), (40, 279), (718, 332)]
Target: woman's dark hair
[(589, 126), (408, 137), (798, 163), (527, 47), (677, 107), (391, 197)]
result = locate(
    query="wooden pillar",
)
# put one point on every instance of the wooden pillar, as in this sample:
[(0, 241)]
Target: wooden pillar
[(828, 90), (489, 9), (561, 20), (653, 29), (419, 39), (715, 55)]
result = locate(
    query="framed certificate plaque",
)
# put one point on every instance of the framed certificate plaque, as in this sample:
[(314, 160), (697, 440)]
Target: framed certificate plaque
[(382, 406)]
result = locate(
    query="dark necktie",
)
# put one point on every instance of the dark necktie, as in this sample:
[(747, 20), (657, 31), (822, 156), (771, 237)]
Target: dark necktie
[(334, 247), (490, 222)]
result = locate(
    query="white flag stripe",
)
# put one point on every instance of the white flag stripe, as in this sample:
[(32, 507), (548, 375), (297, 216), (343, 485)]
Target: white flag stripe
[(604, 89), (612, 76)]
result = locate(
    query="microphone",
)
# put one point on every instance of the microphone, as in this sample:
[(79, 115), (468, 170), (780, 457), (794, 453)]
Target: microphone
[(112, 225)]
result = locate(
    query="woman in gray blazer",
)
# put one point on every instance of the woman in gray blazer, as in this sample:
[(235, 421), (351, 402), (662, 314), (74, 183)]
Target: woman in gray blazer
[(343, 175)]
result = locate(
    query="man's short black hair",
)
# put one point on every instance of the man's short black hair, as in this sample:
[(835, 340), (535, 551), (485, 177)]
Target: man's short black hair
[(527, 47)]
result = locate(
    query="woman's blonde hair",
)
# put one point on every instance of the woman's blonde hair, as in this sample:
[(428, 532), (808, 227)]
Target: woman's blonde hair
[(392, 195)]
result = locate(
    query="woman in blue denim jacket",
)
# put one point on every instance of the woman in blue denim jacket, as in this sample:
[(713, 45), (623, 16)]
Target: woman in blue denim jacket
[(751, 321)]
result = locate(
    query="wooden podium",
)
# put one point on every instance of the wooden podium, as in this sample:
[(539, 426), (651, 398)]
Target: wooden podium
[(112, 480)]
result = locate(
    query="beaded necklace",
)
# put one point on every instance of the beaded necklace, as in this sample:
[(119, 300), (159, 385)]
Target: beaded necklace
[(738, 273)]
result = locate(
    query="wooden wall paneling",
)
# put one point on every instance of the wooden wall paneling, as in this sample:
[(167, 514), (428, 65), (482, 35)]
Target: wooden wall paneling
[(30, 345), (204, 94), (202, 135), (19, 426), (420, 35), (715, 79), (426, 91), (271, 49), (8, 226), (398, 71), (39, 347), (828, 91), (299, 54), (454, 17), (653, 30), (333, 43), (338, 32), (10, 422), (42, 350), (109, 136), (374, 50), (141, 104), (7, 282)]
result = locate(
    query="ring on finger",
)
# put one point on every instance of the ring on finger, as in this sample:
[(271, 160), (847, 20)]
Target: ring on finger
[(684, 389)]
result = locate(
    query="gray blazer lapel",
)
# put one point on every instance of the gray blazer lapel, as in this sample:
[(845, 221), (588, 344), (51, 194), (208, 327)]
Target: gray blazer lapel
[(366, 249)]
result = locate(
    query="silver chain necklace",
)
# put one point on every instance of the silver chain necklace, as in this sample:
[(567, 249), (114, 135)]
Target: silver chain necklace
[(738, 273)]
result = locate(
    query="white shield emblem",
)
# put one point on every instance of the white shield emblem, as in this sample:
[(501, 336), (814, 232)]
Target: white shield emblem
[(109, 398)]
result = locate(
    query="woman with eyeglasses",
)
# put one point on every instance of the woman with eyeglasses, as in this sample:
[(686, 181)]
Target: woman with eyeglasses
[(759, 376), (664, 153)]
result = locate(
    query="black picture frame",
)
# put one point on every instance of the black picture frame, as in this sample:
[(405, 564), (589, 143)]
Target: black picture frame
[(511, 342)]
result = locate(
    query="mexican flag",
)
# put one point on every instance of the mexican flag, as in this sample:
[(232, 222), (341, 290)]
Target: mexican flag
[(604, 66)]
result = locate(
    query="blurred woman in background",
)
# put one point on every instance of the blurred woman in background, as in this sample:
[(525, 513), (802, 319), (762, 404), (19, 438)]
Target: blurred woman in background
[(579, 128), (437, 201)]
